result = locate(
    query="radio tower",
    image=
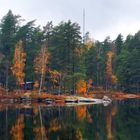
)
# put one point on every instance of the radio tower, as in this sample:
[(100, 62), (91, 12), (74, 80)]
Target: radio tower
[(84, 25)]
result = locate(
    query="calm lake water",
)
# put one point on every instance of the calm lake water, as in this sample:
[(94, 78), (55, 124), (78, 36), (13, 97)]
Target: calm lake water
[(118, 121)]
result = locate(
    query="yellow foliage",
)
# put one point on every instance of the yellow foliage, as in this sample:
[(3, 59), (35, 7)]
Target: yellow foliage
[(40, 133), (89, 44), (109, 65), (109, 126), (54, 75), (36, 84), (54, 126), (19, 62), (79, 135)]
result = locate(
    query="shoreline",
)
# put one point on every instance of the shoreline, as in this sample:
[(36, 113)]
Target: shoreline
[(35, 98)]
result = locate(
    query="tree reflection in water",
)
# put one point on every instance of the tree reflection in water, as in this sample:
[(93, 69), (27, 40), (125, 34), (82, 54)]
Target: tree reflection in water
[(119, 121), (17, 129)]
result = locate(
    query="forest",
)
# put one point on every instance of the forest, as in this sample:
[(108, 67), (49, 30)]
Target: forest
[(58, 59)]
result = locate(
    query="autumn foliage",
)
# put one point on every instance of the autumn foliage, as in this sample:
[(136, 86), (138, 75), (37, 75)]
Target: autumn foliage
[(109, 72), (17, 129), (40, 133), (40, 64), (19, 62), (54, 126), (81, 87), (114, 79), (55, 75), (41, 61), (109, 65), (109, 126), (36, 84), (81, 112)]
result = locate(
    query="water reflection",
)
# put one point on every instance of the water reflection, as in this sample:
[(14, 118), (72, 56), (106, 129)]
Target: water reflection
[(119, 121)]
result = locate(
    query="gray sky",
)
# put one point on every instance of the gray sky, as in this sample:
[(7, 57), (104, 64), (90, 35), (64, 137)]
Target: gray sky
[(103, 17)]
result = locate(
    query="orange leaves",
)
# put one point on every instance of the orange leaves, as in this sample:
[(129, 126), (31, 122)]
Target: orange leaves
[(17, 129), (36, 84), (81, 87), (41, 61), (114, 79), (36, 109), (110, 55), (114, 110), (40, 133), (81, 112), (19, 62)]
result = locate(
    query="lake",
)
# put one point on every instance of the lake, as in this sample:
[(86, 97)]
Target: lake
[(120, 120)]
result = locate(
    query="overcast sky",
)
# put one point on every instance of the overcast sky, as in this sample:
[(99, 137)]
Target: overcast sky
[(103, 17)]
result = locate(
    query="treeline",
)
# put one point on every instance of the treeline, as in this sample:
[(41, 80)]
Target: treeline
[(59, 59)]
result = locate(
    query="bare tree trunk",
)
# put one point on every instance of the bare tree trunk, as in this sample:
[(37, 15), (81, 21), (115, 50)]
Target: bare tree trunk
[(41, 81), (59, 85), (41, 122), (6, 122), (106, 86), (64, 87)]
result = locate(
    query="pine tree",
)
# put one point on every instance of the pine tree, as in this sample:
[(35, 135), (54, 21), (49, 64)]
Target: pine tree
[(8, 28)]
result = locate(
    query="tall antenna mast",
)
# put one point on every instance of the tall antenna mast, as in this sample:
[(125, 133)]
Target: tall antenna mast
[(83, 25)]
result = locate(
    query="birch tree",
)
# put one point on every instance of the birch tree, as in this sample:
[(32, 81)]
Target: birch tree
[(40, 64)]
